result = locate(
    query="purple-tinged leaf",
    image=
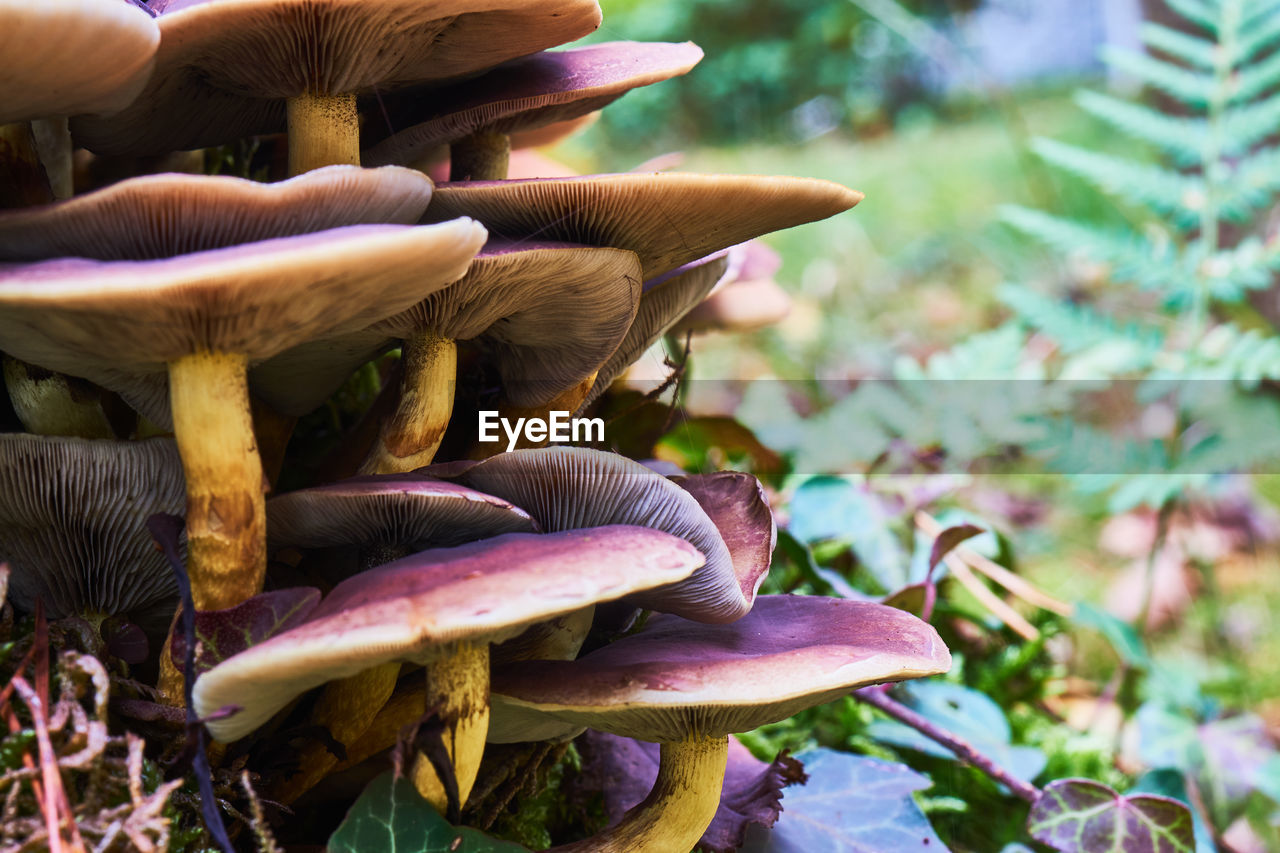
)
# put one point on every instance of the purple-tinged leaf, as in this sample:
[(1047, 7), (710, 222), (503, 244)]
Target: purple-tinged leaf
[(1083, 816), (851, 804), (948, 540), (623, 770), (223, 633)]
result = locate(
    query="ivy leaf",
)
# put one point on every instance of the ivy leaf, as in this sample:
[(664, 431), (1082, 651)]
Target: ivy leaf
[(223, 633), (835, 508), (851, 804), (623, 770), (391, 817), (1083, 816), (1120, 634), (1170, 783)]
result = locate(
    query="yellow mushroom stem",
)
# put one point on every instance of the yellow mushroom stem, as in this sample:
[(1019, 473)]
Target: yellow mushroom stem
[(566, 401), (483, 156), (346, 708), (226, 506), (51, 403), (458, 692), (679, 808), (410, 437), (324, 130)]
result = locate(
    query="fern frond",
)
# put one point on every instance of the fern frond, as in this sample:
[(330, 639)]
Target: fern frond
[(1182, 138), (1255, 80), (1195, 89), (1134, 259), (1261, 30), (1226, 353), (1255, 180), (1230, 274), (1190, 49), (1243, 127), (1077, 328), (1202, 14), (1179, 196)]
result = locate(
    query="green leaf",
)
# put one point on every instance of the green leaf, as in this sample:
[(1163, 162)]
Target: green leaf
[(1193, 89), (1083, 816), (1198, 12), (1182, 137), (1123, 638), (851, 804), (1170, 783), (835, 508), (1190, 49), (391, 817)]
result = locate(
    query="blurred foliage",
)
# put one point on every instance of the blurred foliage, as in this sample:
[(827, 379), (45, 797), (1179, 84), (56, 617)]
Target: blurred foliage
[(774, 70)]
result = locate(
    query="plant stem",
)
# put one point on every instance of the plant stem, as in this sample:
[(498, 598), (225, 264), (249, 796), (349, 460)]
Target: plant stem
[(876, 697), (1149, 580)]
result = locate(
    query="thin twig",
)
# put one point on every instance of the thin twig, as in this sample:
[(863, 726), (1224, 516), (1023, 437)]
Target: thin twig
[(965, 751)]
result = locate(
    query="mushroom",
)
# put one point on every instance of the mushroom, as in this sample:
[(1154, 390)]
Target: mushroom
[(663, 301), (227, 69), (548, 314), (388, 518), (748, 301), (202, 317), (666, 218), (51, 403), (688, 686), (73, 526), (476, 117), (572, 487), (441, 608), (61, 58), (162, 216)]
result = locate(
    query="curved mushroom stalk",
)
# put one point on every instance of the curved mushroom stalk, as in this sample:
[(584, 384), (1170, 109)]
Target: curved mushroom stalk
[(226, 497), (51, 403), (679, 808), (410, 438), (458, 694)]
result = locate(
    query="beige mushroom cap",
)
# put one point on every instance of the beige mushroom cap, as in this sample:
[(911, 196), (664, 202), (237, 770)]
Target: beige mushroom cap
[(411, 609), (65, 57), (667, 218), (159, 216), (225, 67), (112, 322), (675, 678)]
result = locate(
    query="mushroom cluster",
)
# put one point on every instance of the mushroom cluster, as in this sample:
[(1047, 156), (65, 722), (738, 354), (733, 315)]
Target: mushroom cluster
[(162, 335)]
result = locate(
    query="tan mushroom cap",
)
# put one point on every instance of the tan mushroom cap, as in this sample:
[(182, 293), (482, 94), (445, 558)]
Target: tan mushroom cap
[(407, 510), (574, 487), (225, 67), (674, 678), (73, 525), (116, 320), (548, 314), (663, 302), (65, 57), (667, 218), (413, 609), (527, 94), (159, 216)]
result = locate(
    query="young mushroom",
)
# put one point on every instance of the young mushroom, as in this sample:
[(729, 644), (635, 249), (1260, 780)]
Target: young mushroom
[(688, 686), (201, 318), (441, 608), (475, 118), (227, 69), (387, 518)]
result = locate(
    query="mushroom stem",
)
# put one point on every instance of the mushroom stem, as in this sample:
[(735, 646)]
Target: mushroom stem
[(410, 437), (226, 509), (346, 708), (324, 130), (21, 173), (679, 808), (51, 403), (53, 143), (482, 156), (458, 693), (566, 401)]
